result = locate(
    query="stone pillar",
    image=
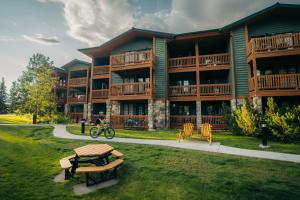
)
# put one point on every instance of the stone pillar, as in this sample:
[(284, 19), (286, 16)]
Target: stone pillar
[(115, 107), (85, 110), (167, 114), (198, 112), (89, 112), (235, 103), (150, 114), (257, 104), (66, 109), (160, 113), (108, 110)]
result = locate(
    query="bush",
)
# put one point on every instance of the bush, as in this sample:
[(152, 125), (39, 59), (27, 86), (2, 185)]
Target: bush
[(229, 119), (247, 119), (284, 124), (62, 119)]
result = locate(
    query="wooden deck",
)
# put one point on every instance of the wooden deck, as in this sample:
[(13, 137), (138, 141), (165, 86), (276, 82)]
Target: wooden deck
[(138, 90), (121, 121), (78, 82), (77, 99)]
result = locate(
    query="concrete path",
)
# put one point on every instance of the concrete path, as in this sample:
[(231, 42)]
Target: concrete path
[(61, 132)]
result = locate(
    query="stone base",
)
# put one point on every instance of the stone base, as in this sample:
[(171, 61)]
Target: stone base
[(82, 189), (263, 146), (60, 178)]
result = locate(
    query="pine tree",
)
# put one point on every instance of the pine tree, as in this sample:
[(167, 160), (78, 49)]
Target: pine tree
[(14, 97), (3, 97)]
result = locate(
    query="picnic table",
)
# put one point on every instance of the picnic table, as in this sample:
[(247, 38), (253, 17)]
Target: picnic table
[(95, 154)]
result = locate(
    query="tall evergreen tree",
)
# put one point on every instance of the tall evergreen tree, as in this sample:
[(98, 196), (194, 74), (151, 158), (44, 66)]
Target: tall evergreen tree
[(14, 98), (36, 87), (3, 97)]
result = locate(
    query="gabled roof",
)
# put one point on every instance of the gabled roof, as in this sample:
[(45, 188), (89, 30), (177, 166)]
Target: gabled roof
[(106, 47), (262, 13), (75, 62)]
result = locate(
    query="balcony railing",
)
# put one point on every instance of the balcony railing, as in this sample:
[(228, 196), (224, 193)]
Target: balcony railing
[(130, 58), (77, 81), (176, 121), (214, 60), (101, 70), (178, 91), (61, 100), (215, 89), (77, 99), (217, 121), (189, 61), (100, 94), (121, 121), (276, 42), (278, 81), (121, 89)]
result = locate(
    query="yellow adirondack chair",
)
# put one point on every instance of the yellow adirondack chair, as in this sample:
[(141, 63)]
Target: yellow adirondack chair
[(205, 132), (187, 131)]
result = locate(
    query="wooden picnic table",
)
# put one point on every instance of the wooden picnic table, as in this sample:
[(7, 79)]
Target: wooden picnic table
[(100, 151)]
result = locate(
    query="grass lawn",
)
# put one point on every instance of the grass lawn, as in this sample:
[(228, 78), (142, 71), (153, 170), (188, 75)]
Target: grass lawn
[(30, 155), (15, 119), (226, 138)]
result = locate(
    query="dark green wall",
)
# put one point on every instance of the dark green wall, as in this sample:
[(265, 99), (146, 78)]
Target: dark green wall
[(274, 25), (240, 61), (161, 68), (135, 45)]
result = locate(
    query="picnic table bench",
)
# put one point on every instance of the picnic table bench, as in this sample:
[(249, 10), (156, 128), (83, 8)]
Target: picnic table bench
[(96, 154)]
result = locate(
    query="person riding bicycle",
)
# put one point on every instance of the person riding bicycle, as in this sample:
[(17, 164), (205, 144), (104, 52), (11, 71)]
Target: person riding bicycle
[(100, 121)]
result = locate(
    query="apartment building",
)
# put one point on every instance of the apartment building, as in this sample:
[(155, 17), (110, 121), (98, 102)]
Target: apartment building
[(161, 80)]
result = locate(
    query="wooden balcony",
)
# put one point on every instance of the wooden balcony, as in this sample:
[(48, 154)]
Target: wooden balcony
[(180, 91), (176, 121), (215, 89), (78, 82), (277, 45), (217, 121), (138, 90), (132, 60), (101, 71), (276, 85), (77, 99), (182, 64), (61, 86), (214, 62), (100, 94), (121, 121)]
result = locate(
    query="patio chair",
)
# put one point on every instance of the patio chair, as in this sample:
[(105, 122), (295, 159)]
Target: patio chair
[(205, 132), (187, 131)]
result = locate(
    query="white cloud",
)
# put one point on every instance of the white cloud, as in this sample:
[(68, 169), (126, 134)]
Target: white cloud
[(96, 21), (41, 39)]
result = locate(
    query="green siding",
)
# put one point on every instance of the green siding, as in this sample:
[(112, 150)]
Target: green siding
[(134, 45), (240, 62), (274, 26), (116, 78), (161, 69)]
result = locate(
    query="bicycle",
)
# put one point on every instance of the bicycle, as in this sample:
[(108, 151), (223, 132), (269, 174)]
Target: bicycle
[(109, 132)]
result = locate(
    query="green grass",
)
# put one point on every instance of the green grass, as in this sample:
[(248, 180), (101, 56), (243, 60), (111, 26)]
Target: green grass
[(30, 155), (226, 138), (15, 119)]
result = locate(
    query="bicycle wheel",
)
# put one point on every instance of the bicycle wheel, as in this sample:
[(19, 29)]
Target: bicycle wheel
[(94, 132), (109, 133)]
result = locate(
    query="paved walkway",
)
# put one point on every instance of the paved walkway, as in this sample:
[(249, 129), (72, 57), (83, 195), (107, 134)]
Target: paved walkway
[(60, 132)]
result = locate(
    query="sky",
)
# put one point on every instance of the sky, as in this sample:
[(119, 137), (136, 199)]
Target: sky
[(58, 28)]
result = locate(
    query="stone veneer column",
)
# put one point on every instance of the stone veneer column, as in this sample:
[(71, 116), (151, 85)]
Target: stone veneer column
[(198, 112), (66, 109), (85, 110), (150, 114), (160, 113), (257, 104), (167, 125), (234, 103), (89, 112), (115, 107), (108, 110)]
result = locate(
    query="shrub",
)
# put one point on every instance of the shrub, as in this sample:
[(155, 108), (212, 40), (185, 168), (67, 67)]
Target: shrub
[(62, 119), (247, 119), (283, 124), (229, 119)]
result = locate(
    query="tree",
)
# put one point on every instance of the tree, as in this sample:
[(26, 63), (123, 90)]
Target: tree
[(14, 98), (3, 97), (36, 87)]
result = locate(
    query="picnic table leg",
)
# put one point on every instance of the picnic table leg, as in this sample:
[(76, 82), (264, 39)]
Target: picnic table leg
[(75, 165)]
